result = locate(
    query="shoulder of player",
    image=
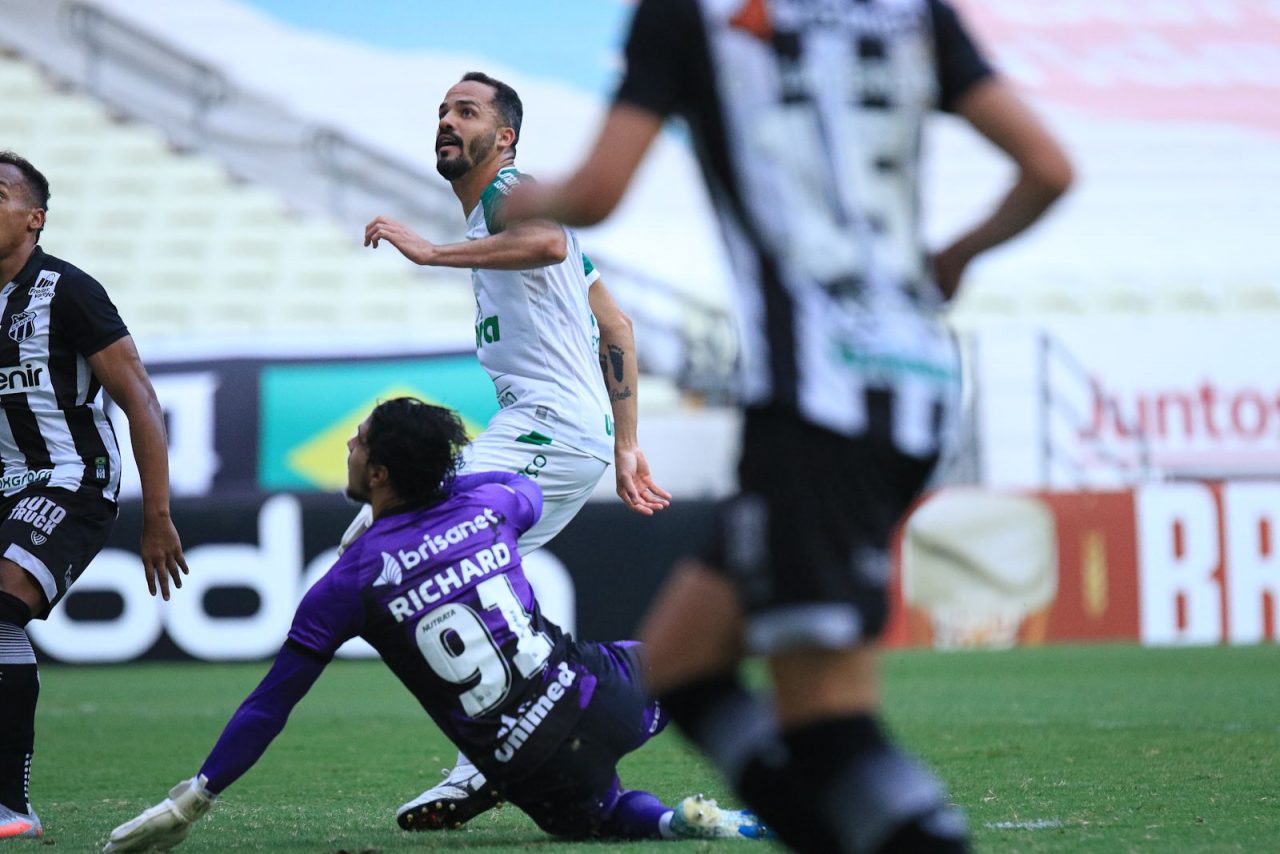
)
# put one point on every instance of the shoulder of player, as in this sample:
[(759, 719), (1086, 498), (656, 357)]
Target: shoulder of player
[(481, 500), (507, 179), (61, 277)]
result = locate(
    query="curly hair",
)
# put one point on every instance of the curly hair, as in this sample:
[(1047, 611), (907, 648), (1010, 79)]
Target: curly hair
[(419, 445)]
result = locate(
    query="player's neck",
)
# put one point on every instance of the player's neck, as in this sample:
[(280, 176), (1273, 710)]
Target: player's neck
[(12, 264), (471, 186), (384, 502)]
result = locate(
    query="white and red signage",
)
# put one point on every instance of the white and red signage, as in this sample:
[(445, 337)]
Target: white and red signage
[(1112, 400), (1163, 564), (1182, 60)]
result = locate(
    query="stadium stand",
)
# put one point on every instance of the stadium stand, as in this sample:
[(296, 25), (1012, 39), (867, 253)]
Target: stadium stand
[(185, 249)]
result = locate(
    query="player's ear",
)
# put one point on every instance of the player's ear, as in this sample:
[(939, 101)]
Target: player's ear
[(35, 220), (506, 137), (378, 476)]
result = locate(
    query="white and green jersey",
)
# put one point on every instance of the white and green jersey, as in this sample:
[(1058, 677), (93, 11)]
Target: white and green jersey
[(537, 338)]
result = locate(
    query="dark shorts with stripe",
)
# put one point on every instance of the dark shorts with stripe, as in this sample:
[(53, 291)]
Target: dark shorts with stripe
[(577, 788), (53, 533), (806, 540)]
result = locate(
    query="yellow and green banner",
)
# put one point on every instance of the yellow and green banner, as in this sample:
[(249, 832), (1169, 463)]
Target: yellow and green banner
[(308, 411)]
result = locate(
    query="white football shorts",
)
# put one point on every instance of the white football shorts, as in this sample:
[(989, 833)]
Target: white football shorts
[(566, 475)]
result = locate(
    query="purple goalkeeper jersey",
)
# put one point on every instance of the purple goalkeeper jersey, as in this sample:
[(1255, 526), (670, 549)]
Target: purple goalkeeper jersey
[(440, 593)]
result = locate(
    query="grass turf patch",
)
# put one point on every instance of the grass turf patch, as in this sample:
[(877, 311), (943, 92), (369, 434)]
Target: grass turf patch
[(1091, 748)]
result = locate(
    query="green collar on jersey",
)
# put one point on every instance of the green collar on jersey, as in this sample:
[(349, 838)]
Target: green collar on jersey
[(495, 195)]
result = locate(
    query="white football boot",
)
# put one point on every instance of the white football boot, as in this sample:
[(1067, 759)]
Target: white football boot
[(462, 795)]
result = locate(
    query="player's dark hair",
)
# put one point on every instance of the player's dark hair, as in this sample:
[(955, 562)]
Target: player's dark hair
[(505, 100), (419, 445), (37, 184)]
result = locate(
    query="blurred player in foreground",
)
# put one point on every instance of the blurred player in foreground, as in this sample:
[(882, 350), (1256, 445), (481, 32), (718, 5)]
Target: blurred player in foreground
[(807, 118), (436, 586), (59, 461), (545, 332)]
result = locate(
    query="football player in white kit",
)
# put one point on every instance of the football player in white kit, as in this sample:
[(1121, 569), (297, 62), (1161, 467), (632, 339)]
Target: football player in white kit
[(560, 352)]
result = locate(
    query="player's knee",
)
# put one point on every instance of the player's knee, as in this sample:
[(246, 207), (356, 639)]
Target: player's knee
[(567, 825), (14, 610), (17, 584)]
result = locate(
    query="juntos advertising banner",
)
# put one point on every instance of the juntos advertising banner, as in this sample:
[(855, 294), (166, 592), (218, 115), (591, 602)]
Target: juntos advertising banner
[(1111, 401)]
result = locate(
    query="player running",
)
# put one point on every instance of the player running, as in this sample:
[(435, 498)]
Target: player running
[(545, 328), (437, 588)]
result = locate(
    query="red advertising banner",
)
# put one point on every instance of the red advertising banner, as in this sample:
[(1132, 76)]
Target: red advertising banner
[(1169, 563)]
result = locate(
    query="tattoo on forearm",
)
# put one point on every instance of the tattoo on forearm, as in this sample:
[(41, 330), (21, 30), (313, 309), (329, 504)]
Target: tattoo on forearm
[(615, 359), (620, 394)]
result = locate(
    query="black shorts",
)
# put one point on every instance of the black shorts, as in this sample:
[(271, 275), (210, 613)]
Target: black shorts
[(53, 533), (575, 790), (806, 540)]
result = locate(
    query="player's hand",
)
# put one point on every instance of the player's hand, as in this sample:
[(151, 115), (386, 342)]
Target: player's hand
[(162, 557), (417, 249), (167, 823), (635, 484)]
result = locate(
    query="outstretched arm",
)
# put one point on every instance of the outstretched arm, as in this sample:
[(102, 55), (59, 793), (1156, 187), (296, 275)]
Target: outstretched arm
[(594, 190), (261, 716), (1044, 174), (119, 368), (246, 737), (636, 486), (523, 246)]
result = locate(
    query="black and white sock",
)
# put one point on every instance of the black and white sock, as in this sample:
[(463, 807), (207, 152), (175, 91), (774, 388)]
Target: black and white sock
[(19, 690)]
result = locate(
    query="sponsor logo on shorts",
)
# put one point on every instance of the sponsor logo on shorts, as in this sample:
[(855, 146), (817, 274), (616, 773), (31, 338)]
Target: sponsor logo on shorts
[(507, 397), (517, 730), (26, 478), (535, 466), (39, 512)]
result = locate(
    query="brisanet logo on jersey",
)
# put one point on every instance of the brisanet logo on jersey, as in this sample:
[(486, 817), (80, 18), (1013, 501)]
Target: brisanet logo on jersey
[(434, 543)]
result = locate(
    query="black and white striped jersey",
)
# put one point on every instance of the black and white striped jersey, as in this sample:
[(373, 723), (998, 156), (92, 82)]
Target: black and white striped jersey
[(53, 431), (807, 117)]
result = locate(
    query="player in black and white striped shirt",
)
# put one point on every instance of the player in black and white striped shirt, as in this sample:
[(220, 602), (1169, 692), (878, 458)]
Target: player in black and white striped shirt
[(61, 341), (807, 118)]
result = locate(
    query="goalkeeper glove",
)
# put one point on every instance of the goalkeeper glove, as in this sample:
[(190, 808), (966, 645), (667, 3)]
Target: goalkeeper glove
[(167, 823)]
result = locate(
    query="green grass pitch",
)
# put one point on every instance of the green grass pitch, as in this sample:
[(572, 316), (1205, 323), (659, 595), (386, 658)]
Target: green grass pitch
[(1102, 748)]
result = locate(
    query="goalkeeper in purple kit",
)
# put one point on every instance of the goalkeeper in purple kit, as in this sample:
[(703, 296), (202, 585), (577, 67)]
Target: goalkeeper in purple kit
[(437, 588)]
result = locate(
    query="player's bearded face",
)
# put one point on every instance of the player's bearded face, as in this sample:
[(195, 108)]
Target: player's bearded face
[(357, 468), (469, 154)]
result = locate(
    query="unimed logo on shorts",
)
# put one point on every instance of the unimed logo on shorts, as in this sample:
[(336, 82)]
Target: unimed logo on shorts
[(39, 512)]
